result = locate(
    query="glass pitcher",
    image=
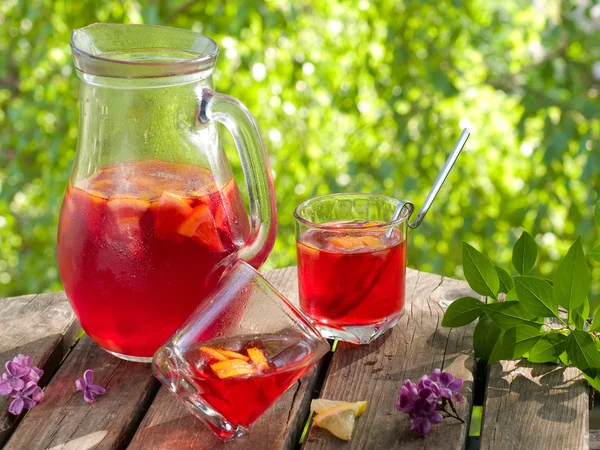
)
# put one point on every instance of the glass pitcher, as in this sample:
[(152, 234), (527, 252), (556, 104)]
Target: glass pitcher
[(152, 214)]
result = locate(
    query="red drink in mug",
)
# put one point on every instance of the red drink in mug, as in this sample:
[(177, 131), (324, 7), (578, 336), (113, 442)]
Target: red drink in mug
[(348, 280), (351, 265)]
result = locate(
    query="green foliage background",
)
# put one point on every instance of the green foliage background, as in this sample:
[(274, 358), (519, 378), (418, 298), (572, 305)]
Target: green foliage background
[(350, 96)]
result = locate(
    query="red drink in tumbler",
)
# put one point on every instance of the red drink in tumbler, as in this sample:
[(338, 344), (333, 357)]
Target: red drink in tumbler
[(141, 245), (352, 277), (242, 377)]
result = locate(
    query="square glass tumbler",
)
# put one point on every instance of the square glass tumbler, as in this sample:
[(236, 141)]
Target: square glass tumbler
[(351, 264), (239, 351)]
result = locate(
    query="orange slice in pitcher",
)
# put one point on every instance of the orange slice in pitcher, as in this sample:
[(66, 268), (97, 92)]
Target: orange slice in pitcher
[(127, 207), (103, 185), (259, 359), (200, 226), (171, 212), (232, 368), (233, 355), (221, 220), (213, 353), (127, 213)]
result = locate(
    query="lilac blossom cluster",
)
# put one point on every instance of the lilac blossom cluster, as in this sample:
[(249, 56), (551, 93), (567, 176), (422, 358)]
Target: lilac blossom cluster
[(20, 382), (424, 402)]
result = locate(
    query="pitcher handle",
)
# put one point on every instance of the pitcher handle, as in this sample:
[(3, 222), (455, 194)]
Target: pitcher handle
[(250, 145)]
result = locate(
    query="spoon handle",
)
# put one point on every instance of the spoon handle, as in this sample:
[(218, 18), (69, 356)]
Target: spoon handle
[(462, 140)]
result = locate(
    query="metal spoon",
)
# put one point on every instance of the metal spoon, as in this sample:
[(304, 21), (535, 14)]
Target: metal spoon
[(462, 140)]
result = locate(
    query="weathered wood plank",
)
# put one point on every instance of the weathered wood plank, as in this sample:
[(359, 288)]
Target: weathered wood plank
[(64, 421), (535, 406), (594, 440), (417, 345), (42, 326), (168, 425)]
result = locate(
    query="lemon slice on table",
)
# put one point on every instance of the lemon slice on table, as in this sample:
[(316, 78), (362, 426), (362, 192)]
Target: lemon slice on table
[(337, 417)]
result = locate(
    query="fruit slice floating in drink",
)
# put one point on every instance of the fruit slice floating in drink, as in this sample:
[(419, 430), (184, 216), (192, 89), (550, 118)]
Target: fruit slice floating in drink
[(255, 372)]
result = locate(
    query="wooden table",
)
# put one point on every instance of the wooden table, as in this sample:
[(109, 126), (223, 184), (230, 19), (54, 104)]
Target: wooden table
[(525, 406)]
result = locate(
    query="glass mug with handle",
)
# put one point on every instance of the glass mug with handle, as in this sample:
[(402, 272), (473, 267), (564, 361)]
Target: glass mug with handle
[(152, 215)]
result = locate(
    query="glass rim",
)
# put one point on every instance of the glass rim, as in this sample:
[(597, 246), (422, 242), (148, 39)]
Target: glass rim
[(164, 68), (293, 312), (328, 226)]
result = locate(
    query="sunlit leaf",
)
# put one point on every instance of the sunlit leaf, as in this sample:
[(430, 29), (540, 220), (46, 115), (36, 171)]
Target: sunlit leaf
[(572, 278), (462, 312), (484, 337), (548, 348), (508, 314), (479, 272), (524, 253), (514, 343), (583, 353), (506, 281), (536, 297)]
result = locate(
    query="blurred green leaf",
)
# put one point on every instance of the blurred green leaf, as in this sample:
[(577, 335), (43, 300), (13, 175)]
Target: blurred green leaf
[(595, 253)]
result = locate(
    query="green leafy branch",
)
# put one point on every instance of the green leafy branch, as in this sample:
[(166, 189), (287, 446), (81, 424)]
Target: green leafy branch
[(542, 320)]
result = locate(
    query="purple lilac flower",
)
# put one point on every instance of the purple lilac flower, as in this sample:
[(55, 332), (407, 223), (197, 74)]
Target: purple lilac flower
[(5, 386), (422, 401), (449, 386), (30, 396), (15, 374), (20, 382), (87, 386)]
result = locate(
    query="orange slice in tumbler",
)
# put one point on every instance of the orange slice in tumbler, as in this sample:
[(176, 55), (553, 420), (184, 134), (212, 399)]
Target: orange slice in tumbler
[(259, 359), (309, 250), (213, 353), (371, 241), (232, 368), (344, 242), (233, 355)]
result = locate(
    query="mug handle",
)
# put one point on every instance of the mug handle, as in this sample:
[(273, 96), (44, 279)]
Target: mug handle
[(250, 146)]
